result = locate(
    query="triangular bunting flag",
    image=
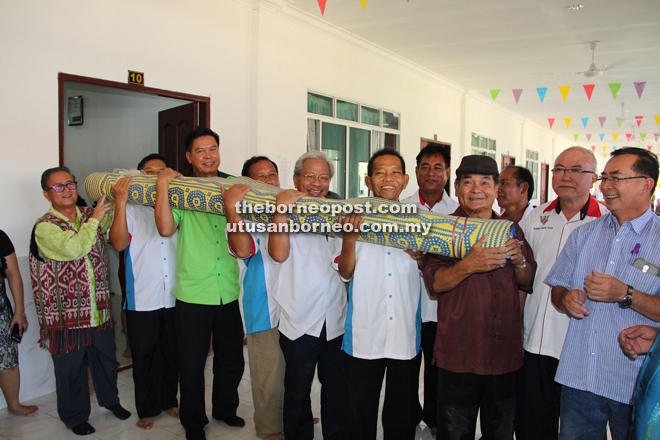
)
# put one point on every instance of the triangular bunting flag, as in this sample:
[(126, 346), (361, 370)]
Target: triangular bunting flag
[(602, 136), (615, 135), (589, 89), (568, 121), (588, 137), (657, 119), (584, 122), (604, 155), (593, 148), (656, 135), (649, 147), (575, 136), (602, 119), (618, 121), (628, 135), (551, 121), (494, 93), (639, 120), (643, 136), (614, 88), (614, 148), (364, 4), (516, 94), (541, 91), (604, 148), (322, 6), (564, 91), (639, 86)]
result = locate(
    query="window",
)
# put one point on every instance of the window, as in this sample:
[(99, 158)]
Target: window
[(532, 164), (349, 133), (483, 146)]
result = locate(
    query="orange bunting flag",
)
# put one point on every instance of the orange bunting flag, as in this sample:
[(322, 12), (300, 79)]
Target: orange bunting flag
[(589, 89), (639, 120), (564, 91), (615, 135), (568, 121), (364, 4), (551, 121), (322, 6)]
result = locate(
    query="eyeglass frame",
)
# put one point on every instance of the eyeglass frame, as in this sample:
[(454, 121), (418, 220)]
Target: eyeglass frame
[(313, 177), (65, 185), (571, 171), (615, 180)]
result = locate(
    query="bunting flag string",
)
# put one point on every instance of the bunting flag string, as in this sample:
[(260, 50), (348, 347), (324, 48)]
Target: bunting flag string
[(588, 137), (602, 119), (639, 120), (584, 122), (494, 93), (551, 121), (541, 91), (615, 135), (614, 88), (322, 6), (516, 94), (589, 89), (564, 91), (568, 121), (639, 87)]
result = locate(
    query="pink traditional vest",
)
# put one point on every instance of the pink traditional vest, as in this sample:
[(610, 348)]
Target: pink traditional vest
[(61, 292)]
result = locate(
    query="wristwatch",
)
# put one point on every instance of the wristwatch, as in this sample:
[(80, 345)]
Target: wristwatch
[(626, 302), (522, 265)]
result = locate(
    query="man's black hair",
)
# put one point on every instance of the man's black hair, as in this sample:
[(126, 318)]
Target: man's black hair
[(198, 133), (645, 165), (434, 150), (521, 175), (45, 176), (384, 152), (254, 159), (152, 156)]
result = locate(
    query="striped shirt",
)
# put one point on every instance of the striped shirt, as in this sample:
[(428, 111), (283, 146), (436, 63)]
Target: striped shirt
[(591, 359)]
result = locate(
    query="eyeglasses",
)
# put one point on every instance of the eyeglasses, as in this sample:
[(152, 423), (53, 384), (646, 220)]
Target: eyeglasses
[(616, 180), (323, 178), (571, 171), (61, 187)]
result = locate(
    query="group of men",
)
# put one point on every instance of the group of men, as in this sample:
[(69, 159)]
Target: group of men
[(491, 326)]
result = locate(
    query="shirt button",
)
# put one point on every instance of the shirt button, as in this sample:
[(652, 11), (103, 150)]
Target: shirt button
[(391, 318), (611, 262), (165, 276), (217, 242), (218, 258), (390, 296), (161, 242), (164, 258), (389, 274), (389, 253)]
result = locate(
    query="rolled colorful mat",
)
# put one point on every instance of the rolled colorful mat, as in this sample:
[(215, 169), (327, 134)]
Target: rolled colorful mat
[(386, 223)]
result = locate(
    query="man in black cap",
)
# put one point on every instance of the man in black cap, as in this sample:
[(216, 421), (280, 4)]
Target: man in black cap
[(478, 346)]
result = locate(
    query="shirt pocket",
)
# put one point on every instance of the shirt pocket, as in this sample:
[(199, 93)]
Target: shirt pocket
[(641, 281)]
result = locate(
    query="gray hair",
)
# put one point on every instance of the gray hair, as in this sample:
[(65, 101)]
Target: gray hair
[(592, 156), (297, 169)]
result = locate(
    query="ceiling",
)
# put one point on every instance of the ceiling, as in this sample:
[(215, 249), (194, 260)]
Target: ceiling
[(487, 45)]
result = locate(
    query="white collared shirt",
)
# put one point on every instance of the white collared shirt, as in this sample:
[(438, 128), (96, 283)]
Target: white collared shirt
[(384, 311), (150, 262), (547, 233), (308, 290), (445, 206)]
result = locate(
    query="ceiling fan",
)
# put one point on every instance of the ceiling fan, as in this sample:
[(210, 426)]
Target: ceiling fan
[(594, 71)]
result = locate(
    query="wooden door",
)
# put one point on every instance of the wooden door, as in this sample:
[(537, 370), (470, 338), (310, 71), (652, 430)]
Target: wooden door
[(174, 125), (507, 161), (543, 183)]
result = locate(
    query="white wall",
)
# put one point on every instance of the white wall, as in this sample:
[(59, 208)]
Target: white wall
[(254, 59)]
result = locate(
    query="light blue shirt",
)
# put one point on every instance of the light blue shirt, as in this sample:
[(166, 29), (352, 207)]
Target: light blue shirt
[(591, 359)]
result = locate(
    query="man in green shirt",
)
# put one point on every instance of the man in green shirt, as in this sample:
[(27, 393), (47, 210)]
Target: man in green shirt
[(206, 294), (71, 294)]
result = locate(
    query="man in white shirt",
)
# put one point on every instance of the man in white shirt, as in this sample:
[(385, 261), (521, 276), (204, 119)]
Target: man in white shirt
[(261, 314), (312, 302), (383, 324), (547, 229), (514, 193), (150, 278), (432, 172)]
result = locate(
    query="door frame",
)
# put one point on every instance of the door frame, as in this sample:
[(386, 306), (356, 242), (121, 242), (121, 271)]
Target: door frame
[(203, 101)]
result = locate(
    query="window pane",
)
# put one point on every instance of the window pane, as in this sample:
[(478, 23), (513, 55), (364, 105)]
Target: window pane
[(321, 105), (370, 116), (392, 141), (347, 110), (391, 120), (357, 164), (313, 134), (475, 140), (333, 143), (483, 142), (492, 144)]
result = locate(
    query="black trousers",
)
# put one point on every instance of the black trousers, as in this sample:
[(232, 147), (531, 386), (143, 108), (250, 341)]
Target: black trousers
[(71, 377), (363, 380), (194, 325), (429, 410), (302, 356), (152, 339), (462, 395), (538, 406)]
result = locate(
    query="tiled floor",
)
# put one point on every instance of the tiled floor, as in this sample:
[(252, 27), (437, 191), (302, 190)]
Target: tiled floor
[(47, 425)]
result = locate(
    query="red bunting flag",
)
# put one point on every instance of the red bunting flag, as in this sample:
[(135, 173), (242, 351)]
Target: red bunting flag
[(322, 6), (589, 89), (551, 121), (628, 135), (593, 148), (639, 120)]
